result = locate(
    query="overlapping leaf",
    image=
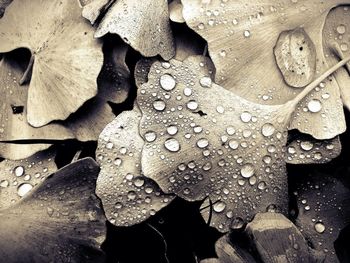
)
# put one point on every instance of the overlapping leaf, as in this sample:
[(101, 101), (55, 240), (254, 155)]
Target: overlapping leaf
[(241, 37), (142, 24), (202, 140), (86, 124), (60, 220), (66, 59)]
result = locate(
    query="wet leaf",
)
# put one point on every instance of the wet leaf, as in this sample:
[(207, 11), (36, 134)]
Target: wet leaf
[(128, 197), (18, 178), (142, 24), (336, 41), (278, 240), (60, 220), (227, 253), (86, 124), (310, 151), (175, 11), (323, 207), (241, 37), (66, 59), (204, 141)]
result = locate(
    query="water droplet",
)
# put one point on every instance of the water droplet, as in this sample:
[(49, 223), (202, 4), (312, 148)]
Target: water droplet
[(132, 195), (246, 117), (159, 105), (150, 136), (246, 33), (187, 91), (341, 29), (172, 145), (139, 182), (172, 130), (233, 144), (230, 130), (237, 223), (109, 145), (219, 206), (167, 82), (118, 161), (344, 47), (247, 170), (268, 129), (19, 170), (205, 82), (314, 105), (320, 227), (291, 150), (267, 159), (23, 189), (220, 109), (207, 166), (306, 145), (192, 105), (262, 185), (202, 143), (4, 183)]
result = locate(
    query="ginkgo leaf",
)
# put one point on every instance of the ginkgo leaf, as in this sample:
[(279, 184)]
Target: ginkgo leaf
[(227, 253), (86, 124), (203, 140), (175, 11), (59, 221), (17, 178), (323, 207), (127, 196), (309, 150), (142, 24), (277, 239), (241, 37), (65, 61), (336, 41)]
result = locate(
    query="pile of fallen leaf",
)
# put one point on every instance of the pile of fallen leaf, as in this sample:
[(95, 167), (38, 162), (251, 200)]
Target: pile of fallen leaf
[(180, 131)]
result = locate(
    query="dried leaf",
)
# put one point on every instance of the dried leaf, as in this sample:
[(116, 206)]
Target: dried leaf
[(175, 11), (323, 208), (241, 37), (19, 177), (311, 151), (65, 61), (277, 240), (227, 253), (59, 221), (336, 41), (86, 124), (202, 140), (128, 197)]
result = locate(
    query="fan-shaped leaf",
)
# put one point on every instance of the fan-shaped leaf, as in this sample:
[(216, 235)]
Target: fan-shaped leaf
[(59, 221), (65, 62)]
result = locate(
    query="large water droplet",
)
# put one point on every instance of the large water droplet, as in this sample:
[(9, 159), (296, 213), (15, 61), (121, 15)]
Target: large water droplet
[(150, 136), (19, 170), (167, 82), (219, 206), (267, 129), (320, 227), (246, 116), (192, 105), (172, 145), (23, 189), (205, 82), (172, 130), (233, 144), (247, 170), (202, 143), (159, 105), (306, 145), (314, 105)]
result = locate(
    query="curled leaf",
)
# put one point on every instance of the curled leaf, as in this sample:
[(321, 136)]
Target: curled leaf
[(309, 151), (241, 37), (296, 57), (175, 11), (18, 178), (128, 197), (65, 60), (278, 240), (142, 24), (202, 140), (59, 221)]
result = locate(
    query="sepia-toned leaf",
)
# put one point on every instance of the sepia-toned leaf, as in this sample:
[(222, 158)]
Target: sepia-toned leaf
[(86, 124), (204, 141), (17, 178), (278, 240), (306, 150), (128, 197), (336, 41), (142, 24), (59, 221), (323, 208), (241, 37), (93, 9), (18, 151), (65, 61)]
